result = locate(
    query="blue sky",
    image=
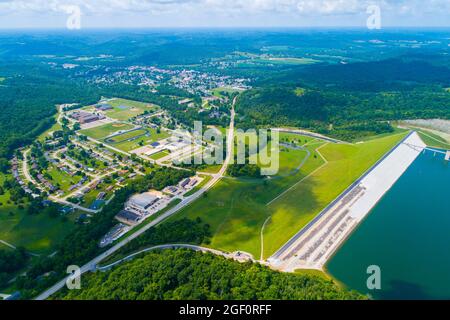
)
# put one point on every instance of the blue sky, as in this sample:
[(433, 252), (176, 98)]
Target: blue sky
[(221, 13)]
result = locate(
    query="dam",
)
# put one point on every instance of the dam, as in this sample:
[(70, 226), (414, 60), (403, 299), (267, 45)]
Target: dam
[(406, 235), (313, 246)]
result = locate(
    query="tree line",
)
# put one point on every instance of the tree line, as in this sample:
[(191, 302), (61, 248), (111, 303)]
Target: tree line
[(187, 275)]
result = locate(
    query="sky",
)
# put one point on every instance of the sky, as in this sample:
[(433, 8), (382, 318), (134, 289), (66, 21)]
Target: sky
[(75, 14)]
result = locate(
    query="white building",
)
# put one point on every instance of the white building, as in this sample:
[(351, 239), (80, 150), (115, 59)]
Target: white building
[(141, 203)]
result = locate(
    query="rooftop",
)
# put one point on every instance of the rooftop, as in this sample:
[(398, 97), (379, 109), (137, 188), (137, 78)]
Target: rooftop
[(144, 200)]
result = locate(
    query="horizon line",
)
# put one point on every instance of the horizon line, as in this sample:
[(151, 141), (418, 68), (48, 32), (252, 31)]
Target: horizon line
[(358, 27)]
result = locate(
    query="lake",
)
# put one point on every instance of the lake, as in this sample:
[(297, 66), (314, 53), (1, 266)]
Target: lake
[(407, 235)]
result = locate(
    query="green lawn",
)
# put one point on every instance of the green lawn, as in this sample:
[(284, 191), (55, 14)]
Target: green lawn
[(89, 161), (160, 155), (205, 180), (296, 139), (132, 109), (46, 134), (62, 179), (106, 130), (92, 195), (236, 208), (37, 233), (213, 168), (433, 140)]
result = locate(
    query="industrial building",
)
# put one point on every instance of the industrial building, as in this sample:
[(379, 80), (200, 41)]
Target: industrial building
[(103, 107), (142, 202), (85, 117), (127, 217)]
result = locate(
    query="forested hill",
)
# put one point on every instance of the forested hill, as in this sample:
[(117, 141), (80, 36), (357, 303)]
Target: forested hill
[(29, 96), (349, 101), (182, 274)]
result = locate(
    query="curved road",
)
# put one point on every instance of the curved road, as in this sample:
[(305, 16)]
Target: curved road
[(91, 265), (165, 247)]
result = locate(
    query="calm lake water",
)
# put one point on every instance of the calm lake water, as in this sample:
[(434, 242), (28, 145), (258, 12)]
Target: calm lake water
[(407, 235)]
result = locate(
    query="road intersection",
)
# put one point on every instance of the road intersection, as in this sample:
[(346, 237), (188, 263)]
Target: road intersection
[(92, 265)]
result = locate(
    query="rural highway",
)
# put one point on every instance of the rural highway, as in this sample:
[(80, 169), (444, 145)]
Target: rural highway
[(92, 265)]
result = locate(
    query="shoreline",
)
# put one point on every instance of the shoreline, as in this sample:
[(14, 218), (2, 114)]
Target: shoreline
[(313, 246)]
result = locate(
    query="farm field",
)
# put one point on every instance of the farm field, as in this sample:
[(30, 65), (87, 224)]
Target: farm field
[(106, 130), (218, 91), (237, 209), (287, 61)]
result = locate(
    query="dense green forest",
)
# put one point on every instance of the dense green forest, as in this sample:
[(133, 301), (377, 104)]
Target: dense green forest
[(343, 114), (29, 96), (10, 262), (182, 274), (350, 100), (401, 73), (244, 170)]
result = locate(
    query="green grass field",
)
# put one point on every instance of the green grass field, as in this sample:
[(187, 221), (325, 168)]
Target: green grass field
[(287, 61), (38, 233), (46, 134), (160, 155), (106, 130), (132, 109), (218, 91), (296, 139), (128, 135), (62, 179), (145, 140), (236, 209), (433, 140)]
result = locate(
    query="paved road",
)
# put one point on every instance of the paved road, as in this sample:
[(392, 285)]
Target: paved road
[(91, 265), (8, 244), (26, 171), (166, 247), (309, 134)]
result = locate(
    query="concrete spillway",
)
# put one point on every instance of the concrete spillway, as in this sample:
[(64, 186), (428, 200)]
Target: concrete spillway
[(313, 246)]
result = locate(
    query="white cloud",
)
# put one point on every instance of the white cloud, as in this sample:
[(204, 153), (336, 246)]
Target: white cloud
[(243, 9)]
